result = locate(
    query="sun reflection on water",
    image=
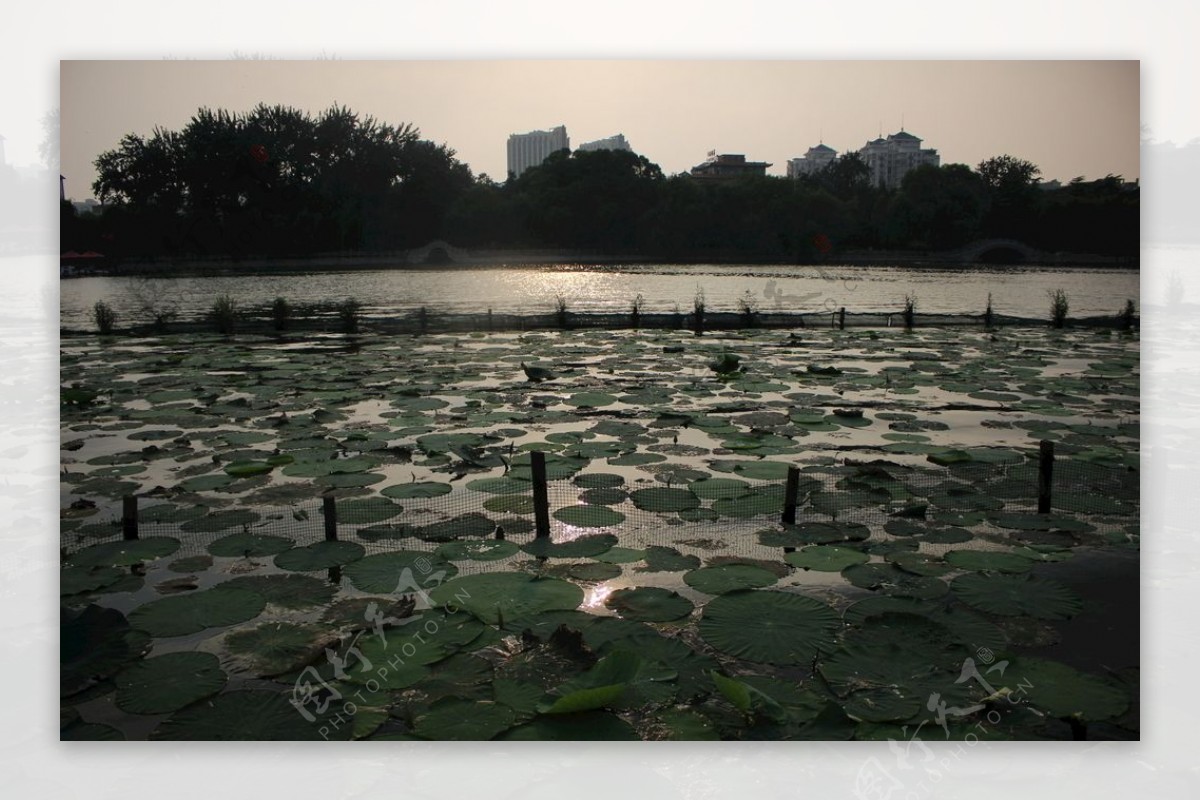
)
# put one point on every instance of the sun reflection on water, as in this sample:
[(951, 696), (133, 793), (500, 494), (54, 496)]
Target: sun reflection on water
[(596, 596)]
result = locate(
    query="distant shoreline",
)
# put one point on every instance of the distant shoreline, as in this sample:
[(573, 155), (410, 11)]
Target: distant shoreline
[(402, 260)]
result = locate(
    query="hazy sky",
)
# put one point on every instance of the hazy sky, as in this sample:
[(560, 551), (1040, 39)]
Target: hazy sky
[(1069, 117)]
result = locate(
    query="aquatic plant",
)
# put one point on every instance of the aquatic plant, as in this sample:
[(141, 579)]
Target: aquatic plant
[(349, 311), (560, 310), (698, 310), (1059, 306), (635, 310), (104, 316), (748, 308), (281, 313), (910, 311), (989, 316), (1127, 316), (224, 314)]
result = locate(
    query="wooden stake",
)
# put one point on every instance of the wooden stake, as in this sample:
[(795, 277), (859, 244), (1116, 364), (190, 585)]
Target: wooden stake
[(541, 500), (1045, 476)]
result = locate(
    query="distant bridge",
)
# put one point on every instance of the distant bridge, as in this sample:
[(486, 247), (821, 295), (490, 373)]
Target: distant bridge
[(997, 251), (438, 252)]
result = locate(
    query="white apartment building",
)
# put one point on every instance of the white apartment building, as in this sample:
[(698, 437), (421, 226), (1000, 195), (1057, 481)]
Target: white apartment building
[(890, 159), (813, 161), (616, 142), (531, 149)]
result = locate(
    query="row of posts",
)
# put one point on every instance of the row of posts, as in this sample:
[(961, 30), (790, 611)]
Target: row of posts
[(541, 501)]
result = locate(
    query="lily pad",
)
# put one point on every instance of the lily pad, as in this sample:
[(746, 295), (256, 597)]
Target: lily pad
[(125, 552), (246, 544), (825, 558), (476, 550), (399, 572), (319, 556), (188, 614), (253, 715), (489, 596), (1064, 692), (649, 604), (416, 489), (664, 499), (290, 591), (589, 516), (729, 578), (168, 682), (279, 646), (768, 626), (1001, 594), (579, 548), (459, 719), (998, 561)]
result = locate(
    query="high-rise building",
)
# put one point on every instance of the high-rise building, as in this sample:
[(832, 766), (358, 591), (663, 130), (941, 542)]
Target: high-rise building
[(617, 142), (816, 159), (531, 149), (890, 159)]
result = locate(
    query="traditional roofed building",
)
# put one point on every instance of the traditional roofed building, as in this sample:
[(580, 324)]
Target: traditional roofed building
[(813, 161), (728, 166), (890, 159)]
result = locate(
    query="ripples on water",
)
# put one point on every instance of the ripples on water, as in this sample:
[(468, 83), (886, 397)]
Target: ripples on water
[(1019, 291)]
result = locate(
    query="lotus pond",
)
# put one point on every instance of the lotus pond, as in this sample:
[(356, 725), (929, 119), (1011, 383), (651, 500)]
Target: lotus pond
[(918, 590)]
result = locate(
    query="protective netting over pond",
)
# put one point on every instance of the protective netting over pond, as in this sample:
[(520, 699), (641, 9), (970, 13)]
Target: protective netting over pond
[(988, 495)]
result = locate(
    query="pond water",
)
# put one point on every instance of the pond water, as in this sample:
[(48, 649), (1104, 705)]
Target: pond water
[(917, 545), (1016, 291)]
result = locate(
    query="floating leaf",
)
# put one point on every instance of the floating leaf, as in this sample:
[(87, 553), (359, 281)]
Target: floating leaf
[(290, 592), (124, 552), (729, 578), (579, 548), (489, 596), (664, 499), (253, 715), (1001, 594), (825, 558), (999, 561), (476, 550), (768, 626), (649, 604), (187, 614), (416, 489), (278, 647), (168, 682), (1063, 691), (246, 544), (319, 556), (458, 719), (589, 516), (399, 572)]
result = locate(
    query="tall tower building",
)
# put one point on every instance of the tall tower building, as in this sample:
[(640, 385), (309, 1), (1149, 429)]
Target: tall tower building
[(616, 142), (531, 149), (890, 159)]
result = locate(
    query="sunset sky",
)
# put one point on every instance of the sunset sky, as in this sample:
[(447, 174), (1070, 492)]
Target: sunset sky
[(1070, 117)]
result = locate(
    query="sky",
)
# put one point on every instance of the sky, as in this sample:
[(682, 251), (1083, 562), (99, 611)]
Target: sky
[(1071, 118)]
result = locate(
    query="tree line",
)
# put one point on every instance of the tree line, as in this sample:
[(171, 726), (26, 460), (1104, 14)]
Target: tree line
[(278, 181)]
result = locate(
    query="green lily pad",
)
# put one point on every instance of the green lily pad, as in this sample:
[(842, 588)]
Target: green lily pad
[(124, 552), (598, 480), (168, 682), (460, 719), (399, 572), (810, 533), (476, 550), (247, 469), (77, 580), (367, 510), (578, 548), (416, 489), (661, 558), (591, 400), (649, 604), (319, 556), (489, 596), (188, 614), (246, 544), (664, 499), (768, 626), (252, 715), (998, 561), (620, 678), (279, 646), (716, 488), (589, 516), (1064, 692), (580, 726), (825, 558), (94, 643), (721, 579), (219, 521), (619, 555), (511, 504), (593, 571), (889, 579), (1001, 594)]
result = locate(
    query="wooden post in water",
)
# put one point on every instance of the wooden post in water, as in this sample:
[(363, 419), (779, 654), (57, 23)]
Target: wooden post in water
[(541, 501), (329, 508), (129, 517), (842, 318), (1045, 476), (790, 492)]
